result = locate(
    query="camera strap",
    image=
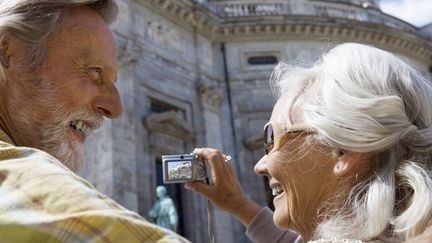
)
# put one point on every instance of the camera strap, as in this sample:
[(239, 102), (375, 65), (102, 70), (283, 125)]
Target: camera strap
[(210, 222), (210, 218)]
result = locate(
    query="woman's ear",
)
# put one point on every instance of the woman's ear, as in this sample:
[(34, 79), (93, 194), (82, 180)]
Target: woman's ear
[(349, 163)]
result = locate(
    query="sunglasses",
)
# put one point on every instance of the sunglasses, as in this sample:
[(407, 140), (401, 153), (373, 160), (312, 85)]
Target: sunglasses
[(269, 139)]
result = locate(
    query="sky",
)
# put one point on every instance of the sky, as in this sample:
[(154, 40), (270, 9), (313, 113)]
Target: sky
[(415, 12)]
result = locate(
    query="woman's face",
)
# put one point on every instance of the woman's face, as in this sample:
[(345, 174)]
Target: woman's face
[(300, 173)]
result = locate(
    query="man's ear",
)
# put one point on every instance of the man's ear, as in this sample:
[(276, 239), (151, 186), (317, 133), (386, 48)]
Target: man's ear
[(351, 163), (4, 51), (12, 52)]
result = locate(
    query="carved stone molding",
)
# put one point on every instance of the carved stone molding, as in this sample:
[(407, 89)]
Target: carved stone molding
[(254, 142), (396, 40), (227, 20), (128, 54), (211, 96), (186, 11), (171, 124)]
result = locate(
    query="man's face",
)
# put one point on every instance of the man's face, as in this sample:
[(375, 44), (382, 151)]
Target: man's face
[(66, 99)]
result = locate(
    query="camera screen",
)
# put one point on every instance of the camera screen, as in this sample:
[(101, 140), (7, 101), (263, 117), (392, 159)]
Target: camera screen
[(179, 170)]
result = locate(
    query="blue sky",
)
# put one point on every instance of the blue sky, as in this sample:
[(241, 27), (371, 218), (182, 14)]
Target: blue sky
[(415, 12)]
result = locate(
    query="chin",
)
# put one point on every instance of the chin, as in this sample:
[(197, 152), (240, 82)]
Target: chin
[(282, 222), (281, 217), (68, 151)]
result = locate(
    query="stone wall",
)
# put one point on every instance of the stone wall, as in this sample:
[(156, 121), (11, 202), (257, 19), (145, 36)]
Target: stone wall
[(175, 97)]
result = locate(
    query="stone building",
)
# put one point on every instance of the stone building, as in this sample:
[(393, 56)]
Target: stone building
[(195, 74)]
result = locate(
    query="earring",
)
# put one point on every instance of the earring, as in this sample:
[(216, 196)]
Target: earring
[(338, 166)]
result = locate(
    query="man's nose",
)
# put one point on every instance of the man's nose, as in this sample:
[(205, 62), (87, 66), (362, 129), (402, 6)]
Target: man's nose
[(108, 103), (260, 167)]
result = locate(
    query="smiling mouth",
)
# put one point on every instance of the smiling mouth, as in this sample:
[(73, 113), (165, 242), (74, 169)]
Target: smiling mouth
[(277, 190), (80, 127)]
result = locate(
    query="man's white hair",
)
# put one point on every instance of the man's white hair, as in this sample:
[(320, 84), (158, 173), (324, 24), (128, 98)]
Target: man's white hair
[(363, 99), (33, 22)]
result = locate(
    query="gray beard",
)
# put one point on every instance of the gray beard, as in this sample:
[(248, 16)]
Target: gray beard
[(54, 141), (53, 135)]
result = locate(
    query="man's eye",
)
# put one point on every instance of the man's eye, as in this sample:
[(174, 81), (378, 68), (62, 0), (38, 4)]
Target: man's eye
[(95, 74)]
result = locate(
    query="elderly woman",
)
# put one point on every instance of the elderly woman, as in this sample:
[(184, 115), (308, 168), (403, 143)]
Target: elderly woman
[(347, 153)]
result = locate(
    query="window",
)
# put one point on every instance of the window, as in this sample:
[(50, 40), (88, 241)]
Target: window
[(174, 191), (157, 106), (262, 60)]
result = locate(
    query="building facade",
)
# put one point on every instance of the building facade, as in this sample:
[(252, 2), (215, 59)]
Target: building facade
[(195, 74)]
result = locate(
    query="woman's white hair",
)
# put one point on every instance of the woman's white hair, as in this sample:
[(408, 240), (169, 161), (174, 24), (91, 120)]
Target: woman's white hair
[(363, 99), (33, 22)]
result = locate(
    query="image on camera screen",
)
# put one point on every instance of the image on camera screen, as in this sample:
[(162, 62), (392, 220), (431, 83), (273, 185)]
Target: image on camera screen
[(180, 170)]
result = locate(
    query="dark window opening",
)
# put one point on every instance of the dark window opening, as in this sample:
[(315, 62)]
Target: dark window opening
[(157, 106), (174, 191), (262, 60), (269, 195), (430, 70)]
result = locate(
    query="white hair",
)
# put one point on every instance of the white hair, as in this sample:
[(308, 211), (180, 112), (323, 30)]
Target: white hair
[(363, 99), (34, 21)]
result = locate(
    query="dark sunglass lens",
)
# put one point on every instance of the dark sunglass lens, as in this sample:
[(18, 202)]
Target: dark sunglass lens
[(268, 134), (268, 138)]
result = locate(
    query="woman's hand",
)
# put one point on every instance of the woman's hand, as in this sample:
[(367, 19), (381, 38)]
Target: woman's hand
[(225, 191)]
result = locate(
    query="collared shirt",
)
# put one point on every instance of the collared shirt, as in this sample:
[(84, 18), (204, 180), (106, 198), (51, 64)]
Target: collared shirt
[(41, 200)]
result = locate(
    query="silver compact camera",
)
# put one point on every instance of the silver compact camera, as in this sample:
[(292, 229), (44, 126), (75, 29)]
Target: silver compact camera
[(181, 168)]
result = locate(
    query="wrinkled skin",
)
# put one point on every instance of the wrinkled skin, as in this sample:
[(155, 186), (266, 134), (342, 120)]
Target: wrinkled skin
[(76, 82), (315, 178), (303, 169)]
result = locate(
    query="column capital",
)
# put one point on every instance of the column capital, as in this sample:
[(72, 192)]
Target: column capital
[(210, 95), (128, 54)]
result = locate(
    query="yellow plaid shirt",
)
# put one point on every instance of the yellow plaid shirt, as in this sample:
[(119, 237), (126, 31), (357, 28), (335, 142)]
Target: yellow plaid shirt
[(43, 201)]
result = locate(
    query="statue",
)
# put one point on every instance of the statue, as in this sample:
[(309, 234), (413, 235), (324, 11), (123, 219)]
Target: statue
[(164, 212)]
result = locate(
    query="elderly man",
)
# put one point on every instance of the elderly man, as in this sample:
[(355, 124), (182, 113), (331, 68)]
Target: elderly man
[(58, 73)]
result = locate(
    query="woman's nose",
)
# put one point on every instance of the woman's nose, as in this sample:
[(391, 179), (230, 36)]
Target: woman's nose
[(261, 167)]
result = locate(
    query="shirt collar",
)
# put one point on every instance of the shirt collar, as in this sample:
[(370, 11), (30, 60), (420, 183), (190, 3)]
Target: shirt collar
[(5, 138)]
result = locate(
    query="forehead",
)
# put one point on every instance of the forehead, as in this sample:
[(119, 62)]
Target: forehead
[(286, 113), (89, 43), (84, 35)]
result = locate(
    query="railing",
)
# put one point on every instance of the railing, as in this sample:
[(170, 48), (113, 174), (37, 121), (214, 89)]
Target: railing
[(232, 9), (261, 9)]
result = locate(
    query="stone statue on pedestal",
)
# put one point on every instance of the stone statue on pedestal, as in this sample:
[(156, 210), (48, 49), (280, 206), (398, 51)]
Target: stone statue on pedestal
[(163, 211)]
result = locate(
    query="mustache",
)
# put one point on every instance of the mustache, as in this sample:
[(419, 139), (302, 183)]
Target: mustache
[(96, 120)]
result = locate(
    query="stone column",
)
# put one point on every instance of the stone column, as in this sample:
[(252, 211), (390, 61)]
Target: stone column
[(110, 153), (211, 97), (110, 158), (123, 132)]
